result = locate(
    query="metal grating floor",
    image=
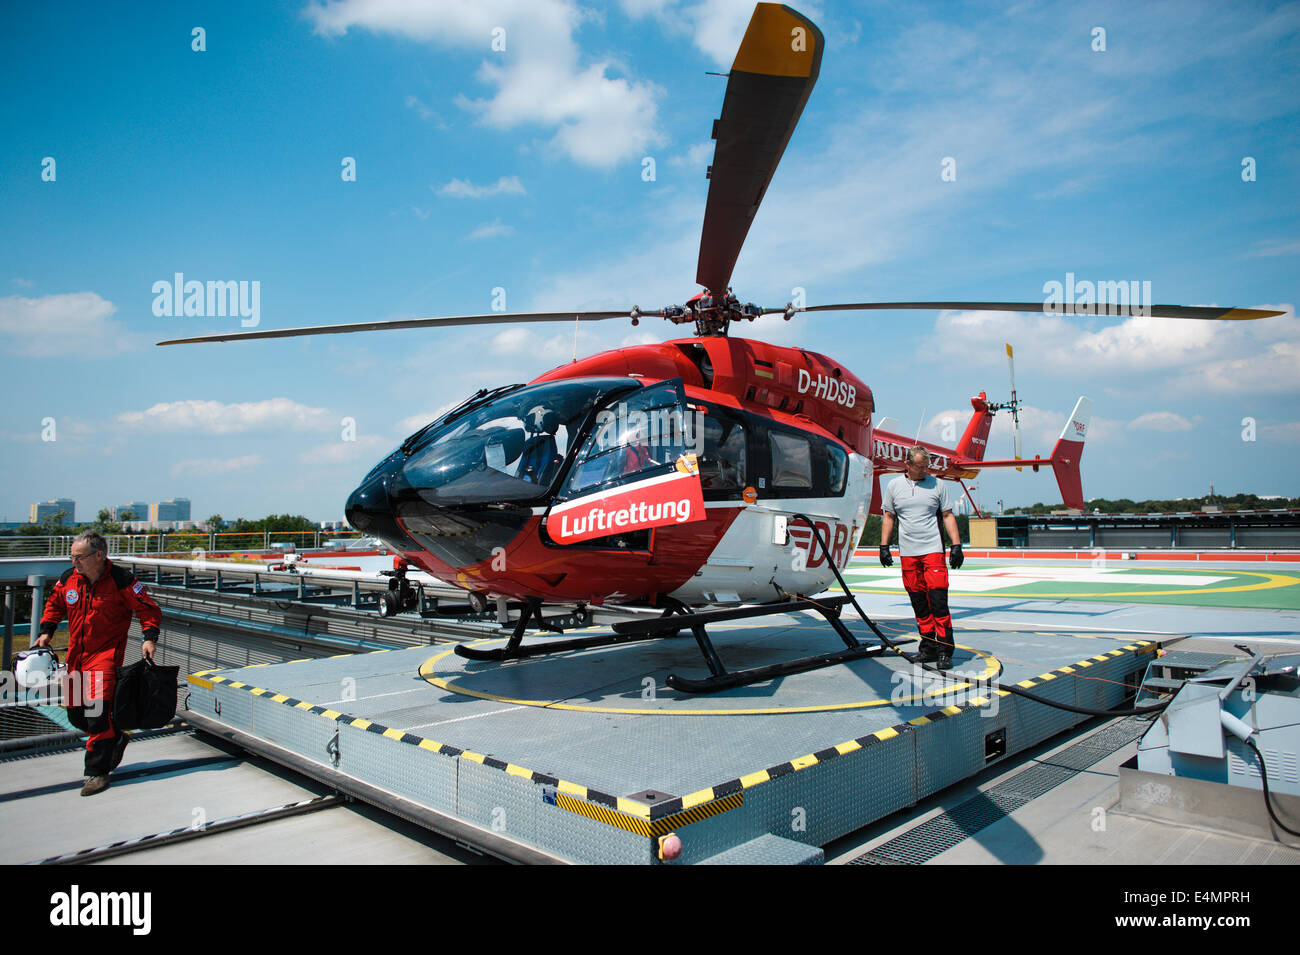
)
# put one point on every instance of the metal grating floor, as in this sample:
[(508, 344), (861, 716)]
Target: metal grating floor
[(17, 722), (934, 836)]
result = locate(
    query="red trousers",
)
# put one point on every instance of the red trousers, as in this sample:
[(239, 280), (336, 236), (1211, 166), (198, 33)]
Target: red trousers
[(926, 580), (88, 697)]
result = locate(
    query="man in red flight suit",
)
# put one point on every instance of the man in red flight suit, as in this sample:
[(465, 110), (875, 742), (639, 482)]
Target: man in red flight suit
[(98, 599)]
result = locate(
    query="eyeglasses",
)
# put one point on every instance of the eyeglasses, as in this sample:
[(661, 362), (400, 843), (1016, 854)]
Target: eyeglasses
[(87, 556)]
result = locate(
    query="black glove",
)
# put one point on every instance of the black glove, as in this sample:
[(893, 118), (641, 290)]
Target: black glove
[(885, 559), (955, 557)]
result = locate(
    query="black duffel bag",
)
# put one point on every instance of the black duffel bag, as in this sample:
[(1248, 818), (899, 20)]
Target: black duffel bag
[(146, 695)]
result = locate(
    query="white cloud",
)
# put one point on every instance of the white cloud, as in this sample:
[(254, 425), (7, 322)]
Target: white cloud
[(366, 449), (67, 430), (70, 325), (209, 466), (1160, 421), (637, 338), (553, 347), (216, 417), (714, 26), (464, 189), (1271, 247), (945, 426), (1288, 431), (1039, 430), (1277, 370), (425, 112), (1222, 357), (490, 230), (413, 423), (23, 283), (599, 117), (513, 341), (717, 26), (696, 156)]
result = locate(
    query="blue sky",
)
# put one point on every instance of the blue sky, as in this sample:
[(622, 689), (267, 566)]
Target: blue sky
[(522, 169)]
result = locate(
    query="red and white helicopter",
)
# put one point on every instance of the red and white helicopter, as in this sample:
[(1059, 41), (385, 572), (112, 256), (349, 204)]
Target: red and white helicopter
[(705, 471)]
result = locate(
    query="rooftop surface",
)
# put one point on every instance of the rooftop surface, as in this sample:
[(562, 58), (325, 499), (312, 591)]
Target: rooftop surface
[(177, 781)]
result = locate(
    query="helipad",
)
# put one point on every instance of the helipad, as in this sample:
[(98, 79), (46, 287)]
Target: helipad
[(590, 757)]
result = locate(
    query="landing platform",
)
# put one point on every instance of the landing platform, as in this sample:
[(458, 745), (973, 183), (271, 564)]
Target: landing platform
[(590, 757)]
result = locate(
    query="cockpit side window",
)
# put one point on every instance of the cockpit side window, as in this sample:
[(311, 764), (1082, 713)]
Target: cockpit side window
[(509, 449), (639, 433)]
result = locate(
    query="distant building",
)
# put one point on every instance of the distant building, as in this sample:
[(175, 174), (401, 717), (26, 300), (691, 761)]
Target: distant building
[(175, 509), (45, 509), (139, 510)]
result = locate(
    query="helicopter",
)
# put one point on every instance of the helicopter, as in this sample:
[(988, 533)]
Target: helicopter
[(710, 477)]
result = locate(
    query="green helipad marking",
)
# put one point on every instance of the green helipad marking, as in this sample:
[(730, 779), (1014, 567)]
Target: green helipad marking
[(1234, 588)]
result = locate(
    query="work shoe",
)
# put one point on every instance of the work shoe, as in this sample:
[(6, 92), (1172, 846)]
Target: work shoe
[(929, 651), (118, 750), (944, 661), (94, 784)]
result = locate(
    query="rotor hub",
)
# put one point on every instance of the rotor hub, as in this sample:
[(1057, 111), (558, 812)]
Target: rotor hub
[(712, 314)]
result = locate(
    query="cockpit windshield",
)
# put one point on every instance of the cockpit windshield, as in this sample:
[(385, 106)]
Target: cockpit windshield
[(510, 449)]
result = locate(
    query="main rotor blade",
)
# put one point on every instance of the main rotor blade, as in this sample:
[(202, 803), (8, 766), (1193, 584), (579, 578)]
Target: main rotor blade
[(769, 83), (495, 318), (1226, 313)]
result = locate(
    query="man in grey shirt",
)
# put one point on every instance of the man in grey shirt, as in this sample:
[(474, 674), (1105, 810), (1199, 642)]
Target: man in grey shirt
[(916, 500)]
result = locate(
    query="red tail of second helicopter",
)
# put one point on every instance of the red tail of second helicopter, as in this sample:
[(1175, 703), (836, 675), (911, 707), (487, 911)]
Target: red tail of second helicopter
[(975, 439), (967, 459)]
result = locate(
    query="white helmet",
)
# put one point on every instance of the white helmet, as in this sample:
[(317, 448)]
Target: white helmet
[(35, 667)]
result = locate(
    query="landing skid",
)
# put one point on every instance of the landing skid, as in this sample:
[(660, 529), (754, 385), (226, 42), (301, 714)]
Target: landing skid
[(676, 618)]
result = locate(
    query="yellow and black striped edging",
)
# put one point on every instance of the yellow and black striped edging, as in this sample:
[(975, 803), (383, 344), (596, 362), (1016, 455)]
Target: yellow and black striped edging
[(650, 828), (708, 796), (615, 807), (664, 817)]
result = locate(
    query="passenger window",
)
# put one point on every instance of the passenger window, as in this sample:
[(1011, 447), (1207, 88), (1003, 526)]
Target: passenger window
[(791, 460), (837, 468)]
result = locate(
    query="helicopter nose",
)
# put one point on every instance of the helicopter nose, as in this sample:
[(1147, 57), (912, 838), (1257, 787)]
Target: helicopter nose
[(370, 510), (366, 504)]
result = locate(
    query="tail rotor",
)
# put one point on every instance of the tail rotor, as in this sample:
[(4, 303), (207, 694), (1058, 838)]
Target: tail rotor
[(1013, 405)]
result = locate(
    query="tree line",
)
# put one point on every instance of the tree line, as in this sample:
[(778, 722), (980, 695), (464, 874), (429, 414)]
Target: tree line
[(56, 525), (1124, 505)]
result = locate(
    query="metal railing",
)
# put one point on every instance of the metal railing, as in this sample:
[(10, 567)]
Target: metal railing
[(175, 542)]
